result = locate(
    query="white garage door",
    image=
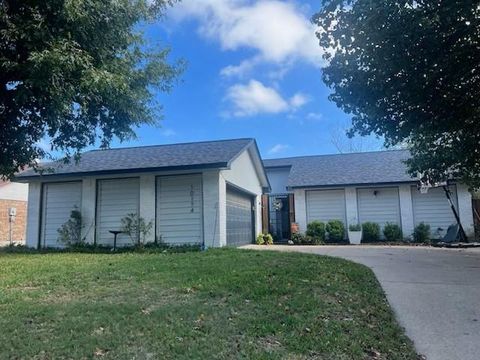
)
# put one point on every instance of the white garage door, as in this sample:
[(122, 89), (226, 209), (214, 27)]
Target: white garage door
[(179, 209), (239, 218), (434, 209), (379, 205), (116, 199), (59, 199), (325, 205)]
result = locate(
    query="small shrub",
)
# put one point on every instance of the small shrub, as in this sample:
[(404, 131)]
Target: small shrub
[(355, 227), (371, 232), (297, 238), (264, 239), (392, 232), (336, 231), (421, 233), (301, 239), (137, 228), (316, 230), (70, 233)]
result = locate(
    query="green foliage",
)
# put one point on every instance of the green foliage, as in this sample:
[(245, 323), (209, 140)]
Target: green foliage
[(392, 232), (421, 233), (302, 239), (403, 71), (355, 227), (336, 231), (316, 230), (371, 232), (118, 306), (136, 227), (297, 238), (70, 233), (79, 72), (264, 239)]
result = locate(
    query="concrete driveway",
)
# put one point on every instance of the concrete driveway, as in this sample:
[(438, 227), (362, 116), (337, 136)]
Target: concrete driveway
[(435, 293)]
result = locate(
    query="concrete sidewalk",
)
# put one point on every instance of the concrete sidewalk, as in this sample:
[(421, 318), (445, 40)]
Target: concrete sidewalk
[(435, 293)]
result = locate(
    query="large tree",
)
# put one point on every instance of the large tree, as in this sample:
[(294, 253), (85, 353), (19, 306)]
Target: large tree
[(77, 72), (409, 71)]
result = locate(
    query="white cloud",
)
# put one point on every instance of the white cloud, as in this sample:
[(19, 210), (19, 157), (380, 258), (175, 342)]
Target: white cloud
[(298, 100), (241, 69), (255, 98), (278, 31), (278, 148)]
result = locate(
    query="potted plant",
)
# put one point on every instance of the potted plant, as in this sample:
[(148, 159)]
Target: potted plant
[(355, 234)]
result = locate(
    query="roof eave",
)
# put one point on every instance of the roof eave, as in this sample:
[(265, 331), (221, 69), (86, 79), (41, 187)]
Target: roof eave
[(385, 183), (28, 178)]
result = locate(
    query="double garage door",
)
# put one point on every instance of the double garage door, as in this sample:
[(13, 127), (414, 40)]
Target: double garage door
[(240, 223), (178, 209)]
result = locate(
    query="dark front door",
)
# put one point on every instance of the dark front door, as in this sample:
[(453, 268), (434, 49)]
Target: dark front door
[(279, 215)]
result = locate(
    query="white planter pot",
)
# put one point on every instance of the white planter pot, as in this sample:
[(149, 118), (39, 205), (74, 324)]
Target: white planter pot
[(355, 237)]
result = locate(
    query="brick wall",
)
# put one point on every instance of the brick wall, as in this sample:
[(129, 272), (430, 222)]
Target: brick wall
[(19, 226)]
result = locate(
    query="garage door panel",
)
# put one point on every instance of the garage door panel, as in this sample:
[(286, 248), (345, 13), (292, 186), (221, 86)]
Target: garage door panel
[(239, 218), (325, 205), (59, 199), (180, 209), (379, 205), (434, 209), (116, 199)]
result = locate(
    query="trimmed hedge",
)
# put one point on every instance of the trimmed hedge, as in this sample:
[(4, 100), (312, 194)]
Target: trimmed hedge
[(392, 232), (371, 232), (336, 231), (316, 230), (421, 233)]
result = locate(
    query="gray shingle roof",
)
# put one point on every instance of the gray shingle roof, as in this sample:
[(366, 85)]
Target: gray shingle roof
[(213, 154), (343, 169)]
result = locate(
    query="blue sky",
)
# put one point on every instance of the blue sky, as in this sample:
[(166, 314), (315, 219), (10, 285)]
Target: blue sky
[(254, 70)]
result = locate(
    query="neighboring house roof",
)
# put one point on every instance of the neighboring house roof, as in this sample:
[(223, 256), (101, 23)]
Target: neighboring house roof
[(377, 167), (198, 155)]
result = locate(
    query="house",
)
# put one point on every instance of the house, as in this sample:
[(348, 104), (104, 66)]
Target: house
[(356, 188), (13, 212), (221, 193), (204, 192)]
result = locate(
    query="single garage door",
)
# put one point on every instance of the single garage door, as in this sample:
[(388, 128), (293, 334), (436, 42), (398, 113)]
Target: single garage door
[(116, 199), (239, 218), (434, 209), (325, 205), (59, 199), (179, 209), (379, 205)]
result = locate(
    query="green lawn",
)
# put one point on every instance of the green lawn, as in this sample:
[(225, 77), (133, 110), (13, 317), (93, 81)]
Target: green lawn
[(219, 304)]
